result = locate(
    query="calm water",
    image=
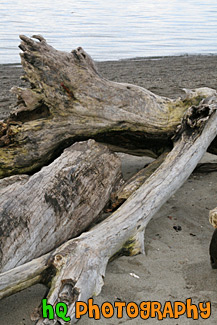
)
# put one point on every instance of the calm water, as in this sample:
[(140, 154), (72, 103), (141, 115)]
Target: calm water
[(113, 29)]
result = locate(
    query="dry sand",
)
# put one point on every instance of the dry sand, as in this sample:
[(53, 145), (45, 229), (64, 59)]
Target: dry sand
[(176, 265)]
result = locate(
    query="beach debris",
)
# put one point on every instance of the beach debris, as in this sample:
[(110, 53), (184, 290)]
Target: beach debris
[(134, 275), (177, 228), (68, 266), (72, 192), (68, 102)]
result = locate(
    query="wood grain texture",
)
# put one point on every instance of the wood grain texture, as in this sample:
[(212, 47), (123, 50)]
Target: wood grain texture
[(69, 101), (80, 263), (40, 212)]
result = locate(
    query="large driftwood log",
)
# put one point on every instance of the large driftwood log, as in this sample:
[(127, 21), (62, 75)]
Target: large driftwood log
[(77, 267), (40, 212), (69, 101)]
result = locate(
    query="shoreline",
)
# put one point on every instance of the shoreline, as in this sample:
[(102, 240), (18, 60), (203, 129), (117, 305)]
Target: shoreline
[(176, 265), (165, 76), (140, 58)]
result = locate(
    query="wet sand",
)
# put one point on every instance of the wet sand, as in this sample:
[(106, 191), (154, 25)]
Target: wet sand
[(176, 265)]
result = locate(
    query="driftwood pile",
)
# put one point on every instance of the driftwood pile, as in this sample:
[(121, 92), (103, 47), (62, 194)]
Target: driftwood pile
[(59, 174)]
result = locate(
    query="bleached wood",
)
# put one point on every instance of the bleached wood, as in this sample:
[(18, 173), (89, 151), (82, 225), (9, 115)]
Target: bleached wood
[(69, 101), (86, 271), (23, 276), (40, 212), (81, 262), (127, 188)]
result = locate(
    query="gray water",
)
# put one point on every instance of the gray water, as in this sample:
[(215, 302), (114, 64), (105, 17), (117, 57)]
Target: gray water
[(110, 30)]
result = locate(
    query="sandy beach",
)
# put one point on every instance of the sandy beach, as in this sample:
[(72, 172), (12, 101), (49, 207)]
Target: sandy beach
[(176, 265)]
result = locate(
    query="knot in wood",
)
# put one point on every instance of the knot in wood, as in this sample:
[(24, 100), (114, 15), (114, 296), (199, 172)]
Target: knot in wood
[(58, 260), (195, 119)]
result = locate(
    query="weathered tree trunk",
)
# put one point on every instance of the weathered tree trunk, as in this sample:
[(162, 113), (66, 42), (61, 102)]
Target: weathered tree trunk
[(69, 101), (40, 212), (78, 266)]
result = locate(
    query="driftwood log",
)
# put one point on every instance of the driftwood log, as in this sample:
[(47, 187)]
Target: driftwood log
[(69, 101), (40, 212), (124, 190), (76, 268)]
